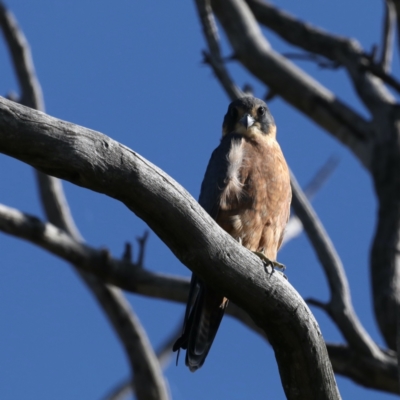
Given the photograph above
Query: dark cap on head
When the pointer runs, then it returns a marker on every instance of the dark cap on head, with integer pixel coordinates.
(246, 109)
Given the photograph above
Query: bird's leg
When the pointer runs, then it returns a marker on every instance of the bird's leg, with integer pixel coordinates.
(267, 261)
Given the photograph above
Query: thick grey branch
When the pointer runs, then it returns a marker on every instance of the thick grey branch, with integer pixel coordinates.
(288, 81)
(93, 160)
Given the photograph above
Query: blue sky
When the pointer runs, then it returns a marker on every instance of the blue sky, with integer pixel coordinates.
(134, 72)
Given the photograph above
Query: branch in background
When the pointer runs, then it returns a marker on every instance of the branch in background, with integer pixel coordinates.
(31, 92)
(377, 70)
(316, 58)
(148, 381)
(346, 52)
(213, 57)
(142, 241)
(397, 9)
(154, 285)
(339, 307)
(387, 36)
(294, 226)
(288, 81)
(164, 355)
(379, 374)
(147, 375)
(128, 276)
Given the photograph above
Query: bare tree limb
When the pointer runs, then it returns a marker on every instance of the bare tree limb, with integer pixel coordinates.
(375, 373)
(126, 275)
(164, 355)
(294, 226)
(214, 58)
(148, 381)
(93, 160)
(291, 83)
(397, 8)
(346, 52)
(142, 241)
(141, 281)
(31, 91)
(387, 36)
(340, 306)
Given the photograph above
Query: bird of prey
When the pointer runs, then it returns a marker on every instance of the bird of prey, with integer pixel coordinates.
(246, 189)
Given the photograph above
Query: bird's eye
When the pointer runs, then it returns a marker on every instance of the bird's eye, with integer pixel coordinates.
(261, 111)
(234, 113)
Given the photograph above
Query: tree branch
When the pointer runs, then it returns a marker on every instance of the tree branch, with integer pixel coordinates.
(397, 8)
(214, 56)
(340, 306)
(387, 36)
(375, 373)
(122, 273)
(346, 52)
(31, 91)
(294, 226)
(93, 160)
(148, 381)
(164, 353)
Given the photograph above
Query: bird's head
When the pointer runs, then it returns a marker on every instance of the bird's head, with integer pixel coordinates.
(250, 117)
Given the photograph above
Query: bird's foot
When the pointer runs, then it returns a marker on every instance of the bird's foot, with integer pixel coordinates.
(269, 263)
(266, 260)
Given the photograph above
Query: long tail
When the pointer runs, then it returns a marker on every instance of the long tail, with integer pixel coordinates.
(204, 312)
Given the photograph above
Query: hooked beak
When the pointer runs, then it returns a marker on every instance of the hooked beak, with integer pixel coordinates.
(247, 121)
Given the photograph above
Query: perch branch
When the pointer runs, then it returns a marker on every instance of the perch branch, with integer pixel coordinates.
(92, 160)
